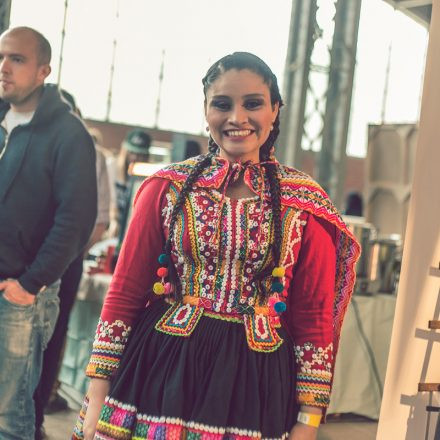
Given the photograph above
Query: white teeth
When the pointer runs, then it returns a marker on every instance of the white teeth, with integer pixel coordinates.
(238, 132)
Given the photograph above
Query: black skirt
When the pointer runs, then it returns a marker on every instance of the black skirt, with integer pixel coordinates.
(209, 385)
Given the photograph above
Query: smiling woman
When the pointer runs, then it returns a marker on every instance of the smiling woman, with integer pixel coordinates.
(240, 114)
(239, 271)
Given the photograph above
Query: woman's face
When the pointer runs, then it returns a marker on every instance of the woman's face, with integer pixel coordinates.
(239, 114)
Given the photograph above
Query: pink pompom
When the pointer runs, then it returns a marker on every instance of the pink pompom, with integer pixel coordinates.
(272, 300)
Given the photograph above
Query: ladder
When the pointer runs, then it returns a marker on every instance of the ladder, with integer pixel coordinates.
(432, 387)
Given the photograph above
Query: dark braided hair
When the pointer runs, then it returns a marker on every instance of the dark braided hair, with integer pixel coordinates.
(239, 61)
(275, 192)
(187, 186)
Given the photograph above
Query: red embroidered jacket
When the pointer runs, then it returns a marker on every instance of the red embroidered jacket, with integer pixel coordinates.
(220, 246)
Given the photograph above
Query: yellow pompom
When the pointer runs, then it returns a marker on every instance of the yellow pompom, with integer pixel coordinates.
(158, 288)
(278, 272)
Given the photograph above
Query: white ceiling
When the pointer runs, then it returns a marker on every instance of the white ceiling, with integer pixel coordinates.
(419, 10)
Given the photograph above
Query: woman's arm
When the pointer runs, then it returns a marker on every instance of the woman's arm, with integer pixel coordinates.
(131, 285)
(309, 318)
(98, 390)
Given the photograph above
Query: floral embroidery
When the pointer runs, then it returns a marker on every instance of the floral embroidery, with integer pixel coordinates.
(116, 332)
(308, 356)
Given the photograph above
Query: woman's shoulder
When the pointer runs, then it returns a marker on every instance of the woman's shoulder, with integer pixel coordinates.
(295, 183)
(300, 191)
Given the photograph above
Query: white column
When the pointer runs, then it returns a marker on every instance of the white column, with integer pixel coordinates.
(415, 350)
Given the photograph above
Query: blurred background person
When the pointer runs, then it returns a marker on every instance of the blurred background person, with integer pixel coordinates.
(134, 148)
(354, 204)
(46, 396)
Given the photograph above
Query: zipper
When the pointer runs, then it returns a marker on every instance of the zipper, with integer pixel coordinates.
(5, 146)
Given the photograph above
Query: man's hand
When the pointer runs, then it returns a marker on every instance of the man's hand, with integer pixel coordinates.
(14, 293)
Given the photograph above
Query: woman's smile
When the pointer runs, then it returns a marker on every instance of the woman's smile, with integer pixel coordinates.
(240, 114)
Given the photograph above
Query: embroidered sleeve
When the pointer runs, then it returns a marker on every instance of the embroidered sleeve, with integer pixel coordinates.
(310, 312)
(135, 273)
(107, 349)
(314, 374)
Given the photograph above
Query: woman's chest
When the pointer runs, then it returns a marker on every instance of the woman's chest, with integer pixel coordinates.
(223, 247)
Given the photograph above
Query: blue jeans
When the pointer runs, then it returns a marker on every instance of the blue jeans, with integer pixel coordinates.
(24, 334)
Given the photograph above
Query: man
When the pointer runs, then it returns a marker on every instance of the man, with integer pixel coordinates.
(46, 395)
(47, 212)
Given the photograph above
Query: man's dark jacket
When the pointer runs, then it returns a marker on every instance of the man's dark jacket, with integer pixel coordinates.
(47, 193)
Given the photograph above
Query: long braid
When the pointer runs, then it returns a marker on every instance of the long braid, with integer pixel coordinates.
(275, 192)
(187, 186)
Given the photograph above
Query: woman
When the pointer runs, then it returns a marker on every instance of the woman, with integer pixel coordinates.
(246, 270)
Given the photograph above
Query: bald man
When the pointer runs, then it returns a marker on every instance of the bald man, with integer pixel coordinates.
(47, 212)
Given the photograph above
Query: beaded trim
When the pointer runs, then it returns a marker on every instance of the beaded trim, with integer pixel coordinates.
(298, 191)
(237, 318)
(110, 339)
(260, 333)
(314, 374)
(206, 305)
(119, 421)
(179, 320)
(78, 428)
(116, 331)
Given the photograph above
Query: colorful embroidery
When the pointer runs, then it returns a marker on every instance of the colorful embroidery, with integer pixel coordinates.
(312, 390)
(218, 261)
(78, 428)
(180, 320)
(221, 247)
(261, 334)
(116, 332)
(121, 421)
(314, 374)
(110, 339)
(308, 356)
(300, 192)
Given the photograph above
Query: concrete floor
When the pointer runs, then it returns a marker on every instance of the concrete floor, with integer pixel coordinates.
(59, 427)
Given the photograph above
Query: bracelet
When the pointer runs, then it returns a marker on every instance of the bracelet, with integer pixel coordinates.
(309, 419)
